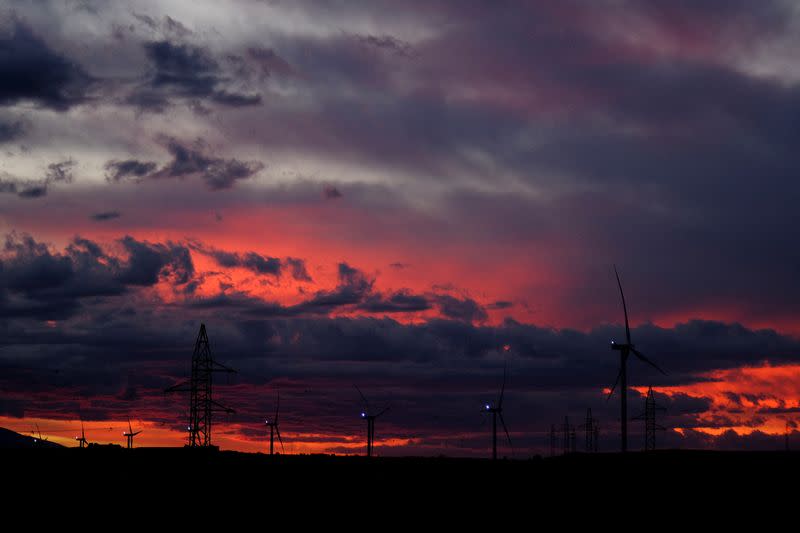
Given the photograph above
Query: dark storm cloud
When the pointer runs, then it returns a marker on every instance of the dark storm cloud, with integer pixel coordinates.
(465, 309)
(186, 71)
(353, 292)
(117, 171)
(255, 262)
(148, 261)
(32, 72)
(60, 172)
(187, 161)
(218, 173)
(249, 260)
(401, 301)
(31, 190)
(39, 283)
(105, 215)
(298, 269)
(189, 70)
(354, 285)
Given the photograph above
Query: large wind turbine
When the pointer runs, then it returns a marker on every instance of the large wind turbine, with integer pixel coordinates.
(497, 410)
(625, 349)
(367, 415)
(273, 429)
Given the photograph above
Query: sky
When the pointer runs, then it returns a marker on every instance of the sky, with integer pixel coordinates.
(404, 196)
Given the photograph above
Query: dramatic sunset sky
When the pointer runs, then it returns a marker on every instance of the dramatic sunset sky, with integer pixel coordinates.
(387, 193)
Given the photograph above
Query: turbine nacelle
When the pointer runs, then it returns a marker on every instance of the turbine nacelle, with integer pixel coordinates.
(621, 346)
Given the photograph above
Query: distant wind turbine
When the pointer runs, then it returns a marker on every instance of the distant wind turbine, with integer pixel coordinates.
(625, 349)
(497, 410)
(39, 433)
(367, 415)
(82, 442)
(273, 429)
(130, 434)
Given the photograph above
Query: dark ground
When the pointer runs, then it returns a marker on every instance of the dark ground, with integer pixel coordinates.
(598, 480)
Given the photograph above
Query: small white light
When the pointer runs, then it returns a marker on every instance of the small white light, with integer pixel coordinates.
(487, 406)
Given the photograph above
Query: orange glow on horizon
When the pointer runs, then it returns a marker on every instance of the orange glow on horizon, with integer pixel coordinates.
(226, 436)
(744, 400)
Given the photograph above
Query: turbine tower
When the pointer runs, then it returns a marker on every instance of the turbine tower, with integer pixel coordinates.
(201, 403)
(130, 434)
(367, 415)
(625, 349)
(273, 429)
(497, 411)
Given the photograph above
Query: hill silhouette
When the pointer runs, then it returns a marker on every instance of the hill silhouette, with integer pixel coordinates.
(13, 440)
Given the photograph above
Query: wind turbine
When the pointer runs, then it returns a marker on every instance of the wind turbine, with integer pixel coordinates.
(625, 349)
(367, 415)
(39, 433)
(130, 434)
(273, 429)
(82, 442)
(497, 410)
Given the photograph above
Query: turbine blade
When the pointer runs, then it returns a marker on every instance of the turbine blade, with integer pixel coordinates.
(641, 356)
(508, 436)
(613, 387)
(130, 429)
(278, 431)
(379, 414)
(503, 388)
(363, 398)
(624, 307)
(277, 407)
(137, 432)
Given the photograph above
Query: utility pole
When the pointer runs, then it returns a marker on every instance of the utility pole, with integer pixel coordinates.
(589, 427)
(649, 417)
